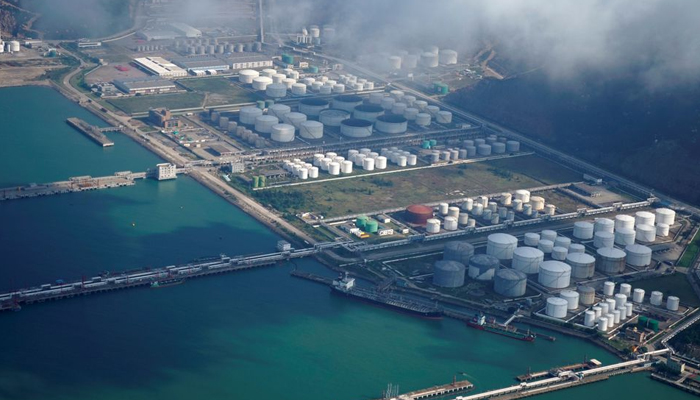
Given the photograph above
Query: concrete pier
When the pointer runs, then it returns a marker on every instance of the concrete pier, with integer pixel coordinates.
(92, 132)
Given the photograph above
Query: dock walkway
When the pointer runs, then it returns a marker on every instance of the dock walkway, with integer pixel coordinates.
(93, 132)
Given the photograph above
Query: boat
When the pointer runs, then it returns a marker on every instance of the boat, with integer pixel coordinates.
(345, 286)
(482, 323)
(167, 282)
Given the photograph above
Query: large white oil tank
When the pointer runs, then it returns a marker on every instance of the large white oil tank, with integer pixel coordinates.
(512, 146)
(264, 123)
(531, 239)
(672, 302)
(656, 298)
(549, 234)
(665, 216)
(497, 148)
(603, 239)
(247, 115)
(562, 241)
(610, 260)
(448, 274)
(313, 172)
(556, 307)
(268, 72)
(662, 230)
(429, 60)
(423, 119)
(645, 233)
(482, 267)
(644, 218)
(510, 283)
(380, 162)
(483, 149)
(527, 259)
(450, 224)
(537, 203)
(624, 221)
(334, 168)
(571, 298)
(443, 117)
(261, 82)
(522, 195)
(638, 255)
(447, 57)
(638, 296)
(368, 112)
(347, 102)
(501, 245)
(311, 130)
(277, 78)
(443, 208)
(604, 225)
(432, 225)
(394, 62)
(279, 111)
(393, 124)
(583, 230)
(298, 89)
(586, 295)
(312, 106)
(356, 128)
(333, 117)
(608, 288)
(582, 265)
(294, 118)
(545, 245)
(247, 75)
(282, 133)
(346, 167)
(554, 274)
(624, 236)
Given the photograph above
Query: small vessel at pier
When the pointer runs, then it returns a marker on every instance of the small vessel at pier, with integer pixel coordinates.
(481, 322)
(167, 282)
(345, 286)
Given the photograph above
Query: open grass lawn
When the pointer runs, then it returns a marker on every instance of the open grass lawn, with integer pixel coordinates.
(220, 91)
(691, 252)
(373, 193)
(175, 101)
(673, 285)
(538, 168)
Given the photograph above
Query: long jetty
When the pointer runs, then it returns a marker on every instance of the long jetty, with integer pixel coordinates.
(108, 282)
(74, 184)
(93, 132)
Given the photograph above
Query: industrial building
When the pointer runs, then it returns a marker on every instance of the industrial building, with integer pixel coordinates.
(169, 32)
(249, 61)
(147, 85)
(202, 63)
(157, 34)
(163, 118)
(160, 67)
(185, 30)
(166, 171)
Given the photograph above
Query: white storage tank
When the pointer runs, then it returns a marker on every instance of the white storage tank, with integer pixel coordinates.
(423, 119)
(602, 324)
(311, 130)
(298, 89)
(282, 133)
(497, 148)
(392, 124)
(554, 274)
(582, 265)
(268, 72)
(450, 224)
(589, 318)
(559, 253)
(549, 234)
(261, 82)
(264, 123)
(447, 57)
(665, 216)
(247, 115)
(571, 298)
(368, 112)
(546, 246)
(346, 167)
(522, 195)
(527, 259)
(483, 149)
(624, 221)
(672, 302)
(399, 108)
(586, 295)
(604, 225)
(459, 251)
(577, 248)
(656, 298)
(483, 267)
(334, 168)
(432, 225)
(510, 283)
(443, 117)
(537, 203)
(638, 255)
(624, 236)
(429, 60)
(333, 117)
(638, 296)
(347, 102)
(313, 172)
(562, 241)
(610, 260)
(645, 233)
(312, 106)
(583, 230)
(620, 300)
(556, 307)
(608, 288)
(380, 162)
(662, 230)
(512, 146)
(644, 218)
(279, 110)
(448, 274)
(501, 245)
(603, 239)
(294, 118)
(626, 289)
(356, 128)
(531, 239)
(368, 164)
(247, 75)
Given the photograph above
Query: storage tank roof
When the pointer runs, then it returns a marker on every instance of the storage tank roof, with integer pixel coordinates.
(638, 249)
(443, 265)
(314, 102)
(349, 98)
(483, 261)
(585, 289)
(502, 238)
(580, 258)
(356, 122)
(557, 301)
(568, 293)
(611, 252)
(419, 209)
(528, 252)
(555, 266)
(398, 119)
(583, 224)
(510, 275)
(369, 108)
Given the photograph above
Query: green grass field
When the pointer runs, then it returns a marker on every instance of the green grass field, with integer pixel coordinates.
(371, 193)
(539, 169)
(673, 285)
(175, 101)
(220, 91)
(690, 253)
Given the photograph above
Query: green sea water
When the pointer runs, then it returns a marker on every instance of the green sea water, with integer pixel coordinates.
(258, 334)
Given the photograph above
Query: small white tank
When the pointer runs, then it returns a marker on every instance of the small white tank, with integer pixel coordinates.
(603, 239)
(556, 307)
(571, 298)
(368, 164)
(662, 230)
(334, 168)
(608, 288)
(546, 246)
(620, 300)
(531, 239)
(559, 253)
(346, 167)
(638, 296)
(604, 225)
(672, 302)
(583, 230)
(656, 298)
(589, 318)
(313, 172)
(380, 162)
(602, 324)
(432, 225)
(282, 133)
(450, 223)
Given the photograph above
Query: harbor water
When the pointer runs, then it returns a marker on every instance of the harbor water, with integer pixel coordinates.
(254, 334)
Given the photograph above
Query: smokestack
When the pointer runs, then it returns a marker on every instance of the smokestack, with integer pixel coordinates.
(260, 19)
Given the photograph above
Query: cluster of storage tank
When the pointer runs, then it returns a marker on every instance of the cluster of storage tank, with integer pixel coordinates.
(352, 82)
(411, 59)
(398, 104)
(472, 148)
(300, 169)
(212, 46)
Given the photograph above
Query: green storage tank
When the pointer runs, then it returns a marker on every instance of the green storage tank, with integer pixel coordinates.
(287, 58)
(443, 88)
(256, 181)
(425, 144)
(361, 221)
(261, 104)
(653, 324)
(269, 103)
(313, 69)
(372, 226)
(262, 181)
(433, 142)
(642, 321)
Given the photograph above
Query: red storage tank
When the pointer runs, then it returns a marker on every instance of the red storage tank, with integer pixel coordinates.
(418, 214)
